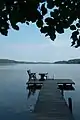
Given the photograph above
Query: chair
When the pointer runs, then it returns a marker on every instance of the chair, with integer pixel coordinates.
(31, 75)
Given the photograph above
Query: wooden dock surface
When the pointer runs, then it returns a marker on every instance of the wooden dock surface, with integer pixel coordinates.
(64, 81)
(50, 104)
(58, 81)
(35, 82)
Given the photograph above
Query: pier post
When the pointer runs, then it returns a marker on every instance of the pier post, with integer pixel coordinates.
(62, 92)
(70, 104)
(53, 76)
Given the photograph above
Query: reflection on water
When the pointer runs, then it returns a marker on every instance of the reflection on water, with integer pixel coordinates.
(32, 95)
(16, 102)
(33, 88)
(31, 91)
(9, 115)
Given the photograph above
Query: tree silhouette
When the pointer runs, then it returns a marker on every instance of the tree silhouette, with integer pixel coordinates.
(50, 16)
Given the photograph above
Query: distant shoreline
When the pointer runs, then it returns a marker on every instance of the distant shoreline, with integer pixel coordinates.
(13, 62)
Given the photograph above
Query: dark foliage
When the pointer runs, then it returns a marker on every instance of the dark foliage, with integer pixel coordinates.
(62, 15)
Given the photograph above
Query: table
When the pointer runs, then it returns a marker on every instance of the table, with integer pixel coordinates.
(32, 76)
(43, 75)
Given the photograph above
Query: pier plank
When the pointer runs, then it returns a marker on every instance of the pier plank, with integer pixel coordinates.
(51, 105)
(64, 81)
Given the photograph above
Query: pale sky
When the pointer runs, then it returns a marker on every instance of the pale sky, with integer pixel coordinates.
(28, 44)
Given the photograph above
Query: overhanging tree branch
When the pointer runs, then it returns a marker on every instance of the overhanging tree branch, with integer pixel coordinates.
(62, 15)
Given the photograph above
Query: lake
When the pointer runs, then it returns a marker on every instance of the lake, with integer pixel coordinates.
(15, 102)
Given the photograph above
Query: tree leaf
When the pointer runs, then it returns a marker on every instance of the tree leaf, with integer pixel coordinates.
(78, 25)
(53, 37)
(59, 29)
(27, 23)
(44, 29)
(43, 9)
(73, 27)
(16, 27)
(39, 23)
(4, 32)
(50, 4)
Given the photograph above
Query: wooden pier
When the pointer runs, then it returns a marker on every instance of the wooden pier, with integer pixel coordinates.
(37, 82)
(51, 105)
(65, 84)
(64, 81)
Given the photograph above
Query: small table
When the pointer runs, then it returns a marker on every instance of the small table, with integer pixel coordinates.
(42, 76)
(32, 76)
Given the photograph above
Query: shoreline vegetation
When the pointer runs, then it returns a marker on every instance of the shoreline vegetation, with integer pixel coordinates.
(9, 62)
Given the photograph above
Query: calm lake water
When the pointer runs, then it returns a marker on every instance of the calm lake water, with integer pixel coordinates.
(15, 103)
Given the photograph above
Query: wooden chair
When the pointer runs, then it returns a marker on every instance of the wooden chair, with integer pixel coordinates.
(32, 76)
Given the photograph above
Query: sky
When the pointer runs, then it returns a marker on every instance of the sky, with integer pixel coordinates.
(28, 44)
